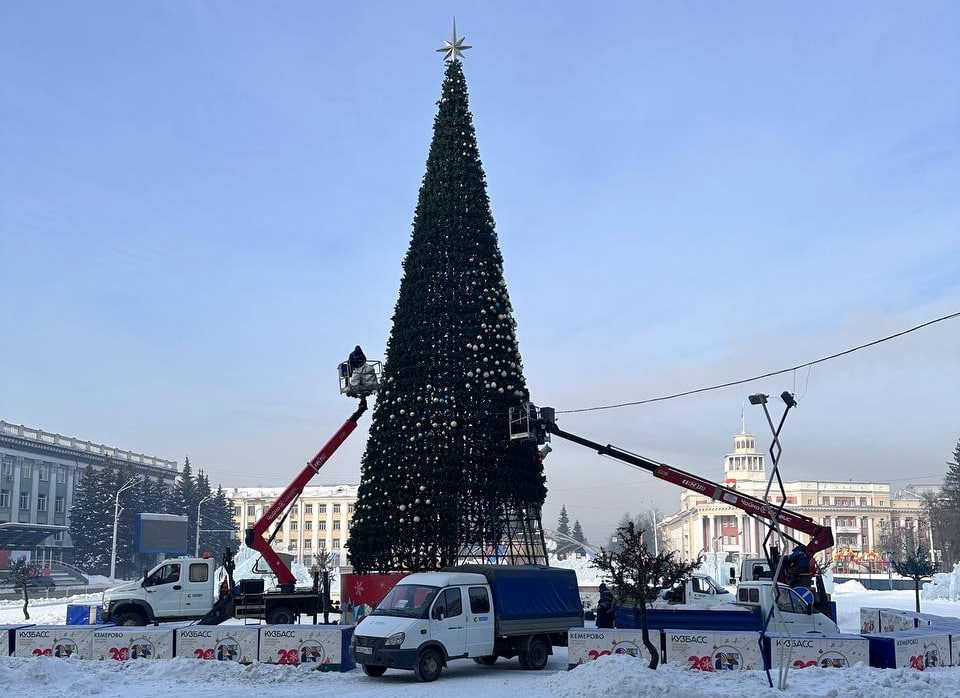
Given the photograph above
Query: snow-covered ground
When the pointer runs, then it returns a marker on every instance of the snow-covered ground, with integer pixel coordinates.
(610, 677)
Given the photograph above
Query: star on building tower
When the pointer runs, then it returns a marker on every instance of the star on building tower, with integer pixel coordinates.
(454, 48)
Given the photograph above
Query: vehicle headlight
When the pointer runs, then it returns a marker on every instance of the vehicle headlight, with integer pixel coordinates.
(395, 640)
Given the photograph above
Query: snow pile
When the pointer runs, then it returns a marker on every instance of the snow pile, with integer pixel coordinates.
(851, 586)
(587, 575)
(945, 585)
(619, 675)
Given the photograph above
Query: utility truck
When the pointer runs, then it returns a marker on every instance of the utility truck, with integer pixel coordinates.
(699, 590)
(755, 604)
(480, 612)
(183, 588)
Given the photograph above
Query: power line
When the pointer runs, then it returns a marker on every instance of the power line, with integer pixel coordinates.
(765, 375)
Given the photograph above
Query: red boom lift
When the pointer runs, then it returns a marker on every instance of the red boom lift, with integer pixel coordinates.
(529, 422)
(359, 378)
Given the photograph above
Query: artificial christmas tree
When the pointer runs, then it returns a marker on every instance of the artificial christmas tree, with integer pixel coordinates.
(440, 482)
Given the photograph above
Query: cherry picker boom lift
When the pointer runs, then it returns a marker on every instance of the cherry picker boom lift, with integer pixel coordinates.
(531, 423)
(359, 378)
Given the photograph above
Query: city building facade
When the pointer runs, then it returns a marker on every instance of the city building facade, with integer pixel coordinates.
(318, 520)
(38, 477)
(863, 515)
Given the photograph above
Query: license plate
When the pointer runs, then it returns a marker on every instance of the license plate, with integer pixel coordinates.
(364, 650)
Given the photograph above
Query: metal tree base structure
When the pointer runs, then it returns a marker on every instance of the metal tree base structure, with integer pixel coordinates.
(513, 537)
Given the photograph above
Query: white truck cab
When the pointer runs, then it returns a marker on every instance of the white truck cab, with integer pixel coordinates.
(794, 614)
(176, 589)
(699, 590)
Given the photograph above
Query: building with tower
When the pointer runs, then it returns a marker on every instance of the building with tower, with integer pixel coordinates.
(867, 518)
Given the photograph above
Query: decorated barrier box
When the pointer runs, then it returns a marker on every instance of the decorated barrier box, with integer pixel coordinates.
(54, 641)
(8, 638)
(325, 646)
(84, 614)
(122, 643)
(826, 651)
(586, 645)
(869, 620)
(712, 651)
(225, 643)
(910, 649)
(894, 621)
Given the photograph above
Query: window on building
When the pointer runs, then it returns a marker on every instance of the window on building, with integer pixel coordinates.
(58, 537)
(322, 544)
(336, 524)
(863, 501)
(321, 508)
(825, 501)
(293, 525)
(236, 512)
(251, 510)
(293, 512)
(845, 501)
(59, 505)
(24, 500)
(336, 508)
(44, 473)
(26, 470)
(292, 545)
(307, 544)
(61, 476)
(7, 466)
(4, 499)
(335, 544)
(351, 508)
(307, 509)
(863, 522)
(41, 502)
(321, 525)
(308, 525)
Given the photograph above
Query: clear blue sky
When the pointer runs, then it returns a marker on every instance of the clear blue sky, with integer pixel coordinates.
(204, 205)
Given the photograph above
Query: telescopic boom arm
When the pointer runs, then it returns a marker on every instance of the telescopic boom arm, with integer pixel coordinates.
(540, 421)
(358, 378)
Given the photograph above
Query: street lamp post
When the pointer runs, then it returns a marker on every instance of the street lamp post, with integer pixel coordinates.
(116, 517)
(196, 550)
(656, 544)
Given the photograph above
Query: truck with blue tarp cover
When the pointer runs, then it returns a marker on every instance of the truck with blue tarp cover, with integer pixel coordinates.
(481, 612)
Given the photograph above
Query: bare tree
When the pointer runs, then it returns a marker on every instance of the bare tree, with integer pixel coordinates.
(917, 567)
(21, 570)
(637, 576)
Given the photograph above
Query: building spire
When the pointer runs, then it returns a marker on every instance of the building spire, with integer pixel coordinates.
(743, 421)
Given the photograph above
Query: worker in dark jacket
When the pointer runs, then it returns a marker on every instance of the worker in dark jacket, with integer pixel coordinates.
(605, 608)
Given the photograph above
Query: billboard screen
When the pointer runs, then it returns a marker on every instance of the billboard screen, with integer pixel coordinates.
(161, 533)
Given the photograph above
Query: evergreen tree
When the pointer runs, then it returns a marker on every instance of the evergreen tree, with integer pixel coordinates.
(946, 514)
(564, 546)
(578, 535)
(439, 476)
(183, 497)
(91, 520)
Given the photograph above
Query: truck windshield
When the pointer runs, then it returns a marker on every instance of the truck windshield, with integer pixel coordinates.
(407, 600)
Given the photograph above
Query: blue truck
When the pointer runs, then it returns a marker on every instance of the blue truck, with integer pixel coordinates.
(480, 612)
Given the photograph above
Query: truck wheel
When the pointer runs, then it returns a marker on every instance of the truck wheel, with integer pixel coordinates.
(281, 615)
(130, 618)
(536, 657)
(429, 666)
(373, 670)
(489, 660)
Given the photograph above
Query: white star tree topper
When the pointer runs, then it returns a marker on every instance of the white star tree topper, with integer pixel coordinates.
(454, 48)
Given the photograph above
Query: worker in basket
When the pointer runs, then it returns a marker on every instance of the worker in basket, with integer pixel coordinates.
(361, 377)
